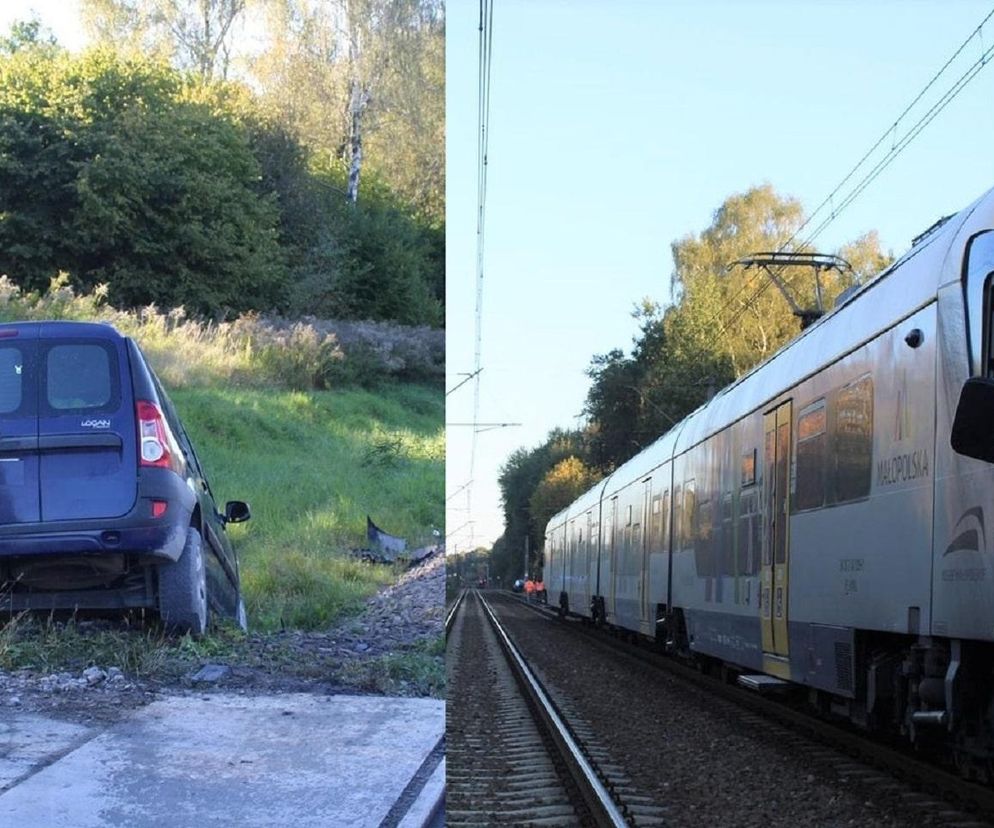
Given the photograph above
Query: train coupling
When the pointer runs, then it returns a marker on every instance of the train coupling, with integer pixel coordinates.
(931, 718)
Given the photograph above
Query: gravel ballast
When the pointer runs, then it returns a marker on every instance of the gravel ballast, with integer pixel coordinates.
(704, 758)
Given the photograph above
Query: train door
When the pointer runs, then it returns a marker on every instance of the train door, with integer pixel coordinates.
(648, 536)
(776, 543)
(589, 558)
(609, 557)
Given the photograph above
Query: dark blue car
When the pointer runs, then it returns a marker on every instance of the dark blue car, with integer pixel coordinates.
(103, 502)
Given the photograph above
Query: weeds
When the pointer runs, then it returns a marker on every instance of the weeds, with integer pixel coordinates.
(418, 671)
(251, 351)
(45, 644)
(312, 466)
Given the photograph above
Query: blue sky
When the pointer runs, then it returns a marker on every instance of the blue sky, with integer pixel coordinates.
(61, 16)
(617, 128)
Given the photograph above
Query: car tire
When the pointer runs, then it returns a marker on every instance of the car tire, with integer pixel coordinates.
(183, 589)
(241, 616)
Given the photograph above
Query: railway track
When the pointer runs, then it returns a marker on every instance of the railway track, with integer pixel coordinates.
(852, 755)
(510, 758)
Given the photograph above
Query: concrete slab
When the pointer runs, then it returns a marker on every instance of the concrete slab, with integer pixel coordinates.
(295, 759)
(29, 741)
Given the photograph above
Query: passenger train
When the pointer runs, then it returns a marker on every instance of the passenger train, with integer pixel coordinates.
(827, 521)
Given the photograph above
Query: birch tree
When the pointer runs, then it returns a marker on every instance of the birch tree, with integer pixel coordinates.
(373, 71)
(194, 34)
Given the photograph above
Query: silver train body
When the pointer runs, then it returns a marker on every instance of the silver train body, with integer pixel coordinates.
(812, 521)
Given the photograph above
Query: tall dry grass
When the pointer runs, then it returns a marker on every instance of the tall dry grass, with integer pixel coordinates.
(251, 351)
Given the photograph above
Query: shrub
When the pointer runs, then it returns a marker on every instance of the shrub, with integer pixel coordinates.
(250, 351)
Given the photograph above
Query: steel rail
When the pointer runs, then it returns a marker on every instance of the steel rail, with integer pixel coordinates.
(450, 616)
(927, 775)
(602, 806)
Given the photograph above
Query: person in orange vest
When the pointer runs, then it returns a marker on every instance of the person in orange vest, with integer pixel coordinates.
(529, 588)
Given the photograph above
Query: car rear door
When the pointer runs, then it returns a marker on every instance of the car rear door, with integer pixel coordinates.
(19, 493)
(86, 425)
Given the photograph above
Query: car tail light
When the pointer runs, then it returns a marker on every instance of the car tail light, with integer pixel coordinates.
(157, 446)
(159, 508)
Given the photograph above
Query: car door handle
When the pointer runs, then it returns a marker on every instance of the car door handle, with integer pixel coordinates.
(53, 442)
(8, 444)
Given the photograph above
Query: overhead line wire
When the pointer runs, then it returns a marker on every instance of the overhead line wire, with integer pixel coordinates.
(483, 138)
(898, 147)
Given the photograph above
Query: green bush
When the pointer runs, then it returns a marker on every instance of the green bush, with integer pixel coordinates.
(114, 170)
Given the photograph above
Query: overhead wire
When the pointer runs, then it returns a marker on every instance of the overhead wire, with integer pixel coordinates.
(483, 142)
(898, 146)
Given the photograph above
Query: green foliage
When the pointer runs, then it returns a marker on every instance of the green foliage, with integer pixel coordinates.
(195, 34)
(559, 487)
(415, 671)
(723, 321)
(26, 34)
(179, 192)
(317, 54)
(112, 169)
(46, 645)
(376, 261)
(301, 461)
(520, 476)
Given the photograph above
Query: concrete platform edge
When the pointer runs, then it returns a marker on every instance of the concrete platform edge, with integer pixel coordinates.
(429, 803)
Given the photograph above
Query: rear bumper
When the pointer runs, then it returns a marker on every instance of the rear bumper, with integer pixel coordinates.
(156, 543)
(136, 533)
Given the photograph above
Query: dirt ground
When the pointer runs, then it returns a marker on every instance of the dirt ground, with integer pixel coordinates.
(395, 646)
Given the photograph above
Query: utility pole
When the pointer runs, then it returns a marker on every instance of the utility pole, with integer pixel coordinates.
(526, 557)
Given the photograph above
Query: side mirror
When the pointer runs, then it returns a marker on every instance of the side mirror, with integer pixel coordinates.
(973, 427)
(236, 512)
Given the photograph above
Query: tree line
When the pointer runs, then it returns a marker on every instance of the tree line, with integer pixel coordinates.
(231, 156)
(721, 322)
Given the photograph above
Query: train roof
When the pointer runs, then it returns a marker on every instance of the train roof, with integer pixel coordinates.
(910, 283)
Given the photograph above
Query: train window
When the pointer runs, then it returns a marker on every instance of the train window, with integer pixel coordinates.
(664, 521)
(628, 515)
(689, 509)
(703, 553)
(853, 440)
(750, 533)
(726, 539)
(749, 468)
(980, 264)
(677, 532)
(988, 346)
(811, 457)
(771, 478)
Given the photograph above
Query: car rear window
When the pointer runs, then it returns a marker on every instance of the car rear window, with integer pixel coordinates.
(11, 378)
(81, 377)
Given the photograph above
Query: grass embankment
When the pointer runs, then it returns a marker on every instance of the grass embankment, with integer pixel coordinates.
(311, 463)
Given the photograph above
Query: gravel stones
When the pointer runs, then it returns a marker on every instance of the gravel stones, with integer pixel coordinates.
(703, 758)
(398, 618)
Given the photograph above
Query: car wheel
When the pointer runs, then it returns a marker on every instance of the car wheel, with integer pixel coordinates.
(183, 589)
(241, 616)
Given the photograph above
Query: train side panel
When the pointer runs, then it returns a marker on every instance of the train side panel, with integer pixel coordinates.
(963, 594)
